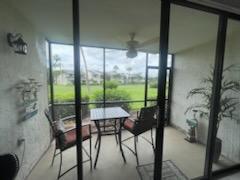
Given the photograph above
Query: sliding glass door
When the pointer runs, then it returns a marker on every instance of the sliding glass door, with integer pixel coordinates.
(119, 34)
(227, 145)
(192, 40)
(196, 38)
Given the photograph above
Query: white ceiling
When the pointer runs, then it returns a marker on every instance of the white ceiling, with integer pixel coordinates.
(107, 23)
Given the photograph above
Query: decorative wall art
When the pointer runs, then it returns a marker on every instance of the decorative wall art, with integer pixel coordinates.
(28, 91)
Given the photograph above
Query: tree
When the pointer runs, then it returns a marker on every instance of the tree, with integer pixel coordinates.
(57, 67)
(115, 69)
(129, 70)
(86, 69)
(115, 74)
(137, 78)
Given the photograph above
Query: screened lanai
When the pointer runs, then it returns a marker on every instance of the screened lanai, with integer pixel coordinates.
(89, 56)
(103, 70)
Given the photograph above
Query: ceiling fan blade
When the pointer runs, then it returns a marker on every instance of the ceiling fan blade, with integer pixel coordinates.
(149, 42)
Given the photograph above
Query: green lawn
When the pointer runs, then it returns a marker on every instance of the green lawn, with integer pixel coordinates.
(66, 92)
(136, 91)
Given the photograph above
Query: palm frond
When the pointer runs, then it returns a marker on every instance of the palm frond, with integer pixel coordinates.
(228, 103)
(198, 91)
(233, 86)
(232, 67)
(197, 106)
(208, 80)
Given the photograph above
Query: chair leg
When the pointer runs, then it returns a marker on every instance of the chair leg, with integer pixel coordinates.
(135, 146)
(120, 140)
(90, 149)
(53, 156)
(115, 131)
(96, 143)
(60, 167)
(152, 141)
(104, 126)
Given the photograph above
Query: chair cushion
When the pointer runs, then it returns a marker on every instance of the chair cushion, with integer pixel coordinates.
(129, 124)
(70, 137)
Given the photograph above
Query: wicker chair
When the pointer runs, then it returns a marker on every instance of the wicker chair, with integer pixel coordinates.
(67, 139)
(144, 122)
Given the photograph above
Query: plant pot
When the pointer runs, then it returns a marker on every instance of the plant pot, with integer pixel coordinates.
(218, 150)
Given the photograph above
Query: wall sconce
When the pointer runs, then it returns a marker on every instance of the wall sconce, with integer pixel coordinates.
(16, 42)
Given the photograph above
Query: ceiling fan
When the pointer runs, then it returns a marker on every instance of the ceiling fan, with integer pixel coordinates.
(133, 45)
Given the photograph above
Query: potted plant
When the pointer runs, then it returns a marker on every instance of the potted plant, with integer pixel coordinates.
(228, 102)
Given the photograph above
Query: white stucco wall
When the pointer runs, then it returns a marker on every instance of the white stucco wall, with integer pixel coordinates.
(229, 130)
(13, 68)
(190, 67)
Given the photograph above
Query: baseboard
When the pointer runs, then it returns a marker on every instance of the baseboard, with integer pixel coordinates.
(178, 128)
(184, 132)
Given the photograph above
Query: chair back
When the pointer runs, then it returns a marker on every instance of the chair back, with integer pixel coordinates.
(56, 132)
(51, 121)
(146, 119)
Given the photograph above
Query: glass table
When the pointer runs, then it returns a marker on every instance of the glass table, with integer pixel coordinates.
(99, 115)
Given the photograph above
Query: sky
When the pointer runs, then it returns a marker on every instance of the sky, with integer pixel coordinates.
(94, 58)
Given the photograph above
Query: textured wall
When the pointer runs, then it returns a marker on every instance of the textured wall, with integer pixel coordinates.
(229, 130)
(13, 68)
(190, 66)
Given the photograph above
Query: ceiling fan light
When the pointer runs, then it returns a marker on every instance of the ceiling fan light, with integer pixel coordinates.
(131, 53)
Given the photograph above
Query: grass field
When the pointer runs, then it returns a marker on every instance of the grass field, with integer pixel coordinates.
(136, 91)
(66, 92)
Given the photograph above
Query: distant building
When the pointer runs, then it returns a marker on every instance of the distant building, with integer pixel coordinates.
(67, 77)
